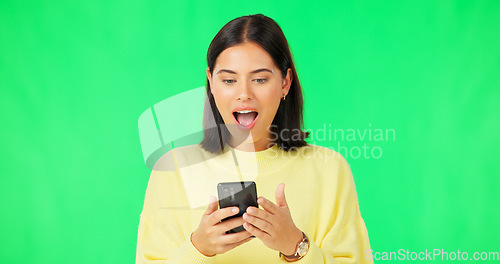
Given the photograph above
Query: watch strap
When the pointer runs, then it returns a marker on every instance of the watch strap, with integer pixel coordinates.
(296, 255)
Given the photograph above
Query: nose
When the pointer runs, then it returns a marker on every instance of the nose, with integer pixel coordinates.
(244, 91)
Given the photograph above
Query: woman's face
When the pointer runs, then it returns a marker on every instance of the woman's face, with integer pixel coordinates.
(247, 87)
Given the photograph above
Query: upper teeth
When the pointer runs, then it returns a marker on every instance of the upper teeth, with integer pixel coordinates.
(245, 111)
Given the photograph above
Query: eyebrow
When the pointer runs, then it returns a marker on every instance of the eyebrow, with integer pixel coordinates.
(252, 72)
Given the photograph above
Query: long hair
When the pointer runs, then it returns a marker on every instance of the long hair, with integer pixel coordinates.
(288, 121)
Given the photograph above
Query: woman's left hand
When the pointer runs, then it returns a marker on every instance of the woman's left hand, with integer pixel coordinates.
(273, 224)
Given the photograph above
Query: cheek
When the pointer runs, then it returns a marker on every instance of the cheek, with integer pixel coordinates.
(222, 100)
(221, 93)
(270, 97)
(270, 103)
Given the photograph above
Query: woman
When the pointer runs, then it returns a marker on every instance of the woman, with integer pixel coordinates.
(252, 132)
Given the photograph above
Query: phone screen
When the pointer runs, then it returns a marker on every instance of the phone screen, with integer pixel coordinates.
(241, 194)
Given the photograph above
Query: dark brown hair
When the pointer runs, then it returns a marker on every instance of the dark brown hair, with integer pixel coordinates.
(288, 121)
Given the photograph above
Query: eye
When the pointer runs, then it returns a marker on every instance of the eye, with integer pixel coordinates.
(260, 81)
(228, 81)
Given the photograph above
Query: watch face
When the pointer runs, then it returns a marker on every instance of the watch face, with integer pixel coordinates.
(302, 250)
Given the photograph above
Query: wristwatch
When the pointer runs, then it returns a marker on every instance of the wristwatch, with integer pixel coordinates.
(300, 250)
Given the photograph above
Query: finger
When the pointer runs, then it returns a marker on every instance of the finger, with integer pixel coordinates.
(223, 213)
(268, 205)
(229, 224)
(256, 232)
(259, 223)
(260, 213)
(280, 196)
(235, 237)
(212, 205)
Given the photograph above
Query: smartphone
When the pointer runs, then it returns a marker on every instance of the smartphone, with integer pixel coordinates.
(241, 194)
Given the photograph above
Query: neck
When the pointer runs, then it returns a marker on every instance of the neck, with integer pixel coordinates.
(259, 145)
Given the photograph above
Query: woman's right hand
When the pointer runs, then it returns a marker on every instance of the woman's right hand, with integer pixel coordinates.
(210, 237)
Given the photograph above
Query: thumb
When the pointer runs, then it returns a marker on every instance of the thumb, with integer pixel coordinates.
(212, 206)
(280, 196)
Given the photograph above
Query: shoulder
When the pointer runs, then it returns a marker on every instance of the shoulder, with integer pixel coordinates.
(326, 161)
(320, 154)
(180, 157)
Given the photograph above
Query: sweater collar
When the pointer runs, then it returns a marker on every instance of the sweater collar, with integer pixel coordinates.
(251, 162)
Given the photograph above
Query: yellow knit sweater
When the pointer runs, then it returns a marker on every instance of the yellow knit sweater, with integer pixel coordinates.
(319, 190)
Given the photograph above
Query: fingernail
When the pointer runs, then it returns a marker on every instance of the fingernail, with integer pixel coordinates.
(235, 210)
(212, 199)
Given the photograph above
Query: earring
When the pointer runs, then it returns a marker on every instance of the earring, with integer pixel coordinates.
(284, 97)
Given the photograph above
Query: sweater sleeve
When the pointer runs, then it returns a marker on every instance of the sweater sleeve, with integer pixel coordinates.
(347, 239)
(350, 246)
(150, 249)
(161, 234)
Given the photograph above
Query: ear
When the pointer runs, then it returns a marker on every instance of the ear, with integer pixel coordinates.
(287, 82)
(209, 78)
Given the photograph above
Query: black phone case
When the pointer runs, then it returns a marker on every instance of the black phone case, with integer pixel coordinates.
(241, 194)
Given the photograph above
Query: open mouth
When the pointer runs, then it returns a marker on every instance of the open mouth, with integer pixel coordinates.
(246, 118)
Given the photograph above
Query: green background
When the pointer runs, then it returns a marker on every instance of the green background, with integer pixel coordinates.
(76, 75)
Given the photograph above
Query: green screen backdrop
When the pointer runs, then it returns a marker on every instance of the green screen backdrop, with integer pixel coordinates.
(407, 91)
